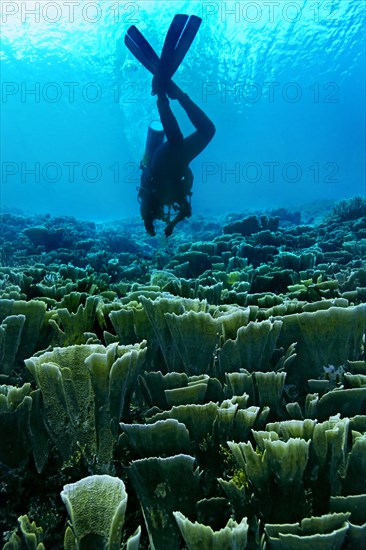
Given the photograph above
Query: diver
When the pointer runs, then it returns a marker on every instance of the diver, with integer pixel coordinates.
(167, 179)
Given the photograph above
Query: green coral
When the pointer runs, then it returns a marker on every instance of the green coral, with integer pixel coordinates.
(76, 327)
(15, 413)
(165, 485)
(96, 506)
(197, 536)
(247, 399)
(325, 532)
(252, 349)
(86, 391)
(350, 209)
(31, 536)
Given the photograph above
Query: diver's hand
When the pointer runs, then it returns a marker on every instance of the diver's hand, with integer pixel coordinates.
(149, 228)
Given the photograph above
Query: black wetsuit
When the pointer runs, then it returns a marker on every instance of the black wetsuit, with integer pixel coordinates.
(168, 179)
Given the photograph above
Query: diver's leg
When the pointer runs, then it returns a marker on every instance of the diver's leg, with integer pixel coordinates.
(168, 120)
(205, 129)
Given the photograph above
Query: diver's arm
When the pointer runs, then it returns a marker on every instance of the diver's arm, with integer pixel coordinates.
(169, 228)
(185, 211)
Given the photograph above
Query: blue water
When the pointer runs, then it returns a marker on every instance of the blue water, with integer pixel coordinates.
(284, 83)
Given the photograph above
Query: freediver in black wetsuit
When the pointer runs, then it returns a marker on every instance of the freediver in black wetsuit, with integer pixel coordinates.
(166, 179)
(167, 182)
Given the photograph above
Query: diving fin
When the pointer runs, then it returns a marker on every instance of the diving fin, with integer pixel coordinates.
(171, 40)
(179, 38)
(141, 49)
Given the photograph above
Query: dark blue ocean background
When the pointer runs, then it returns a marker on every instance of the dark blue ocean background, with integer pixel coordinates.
(284, 83)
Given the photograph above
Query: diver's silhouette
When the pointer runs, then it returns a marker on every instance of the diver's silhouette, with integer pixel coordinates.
(166, 179)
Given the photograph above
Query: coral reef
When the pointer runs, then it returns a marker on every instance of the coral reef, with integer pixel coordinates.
(209, 392)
